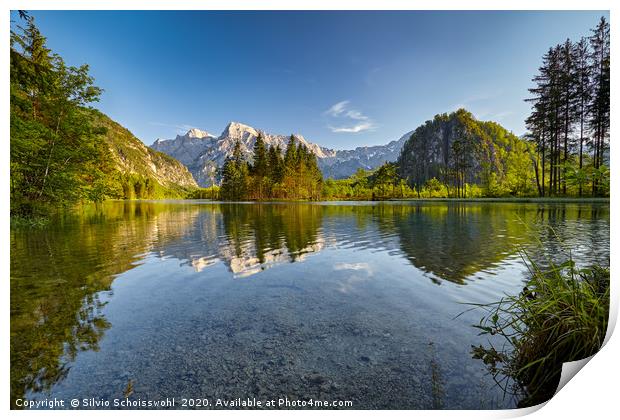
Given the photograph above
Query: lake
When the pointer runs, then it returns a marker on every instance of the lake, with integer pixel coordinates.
(352, 301)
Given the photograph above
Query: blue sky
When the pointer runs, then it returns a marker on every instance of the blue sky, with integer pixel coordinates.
(342, 79)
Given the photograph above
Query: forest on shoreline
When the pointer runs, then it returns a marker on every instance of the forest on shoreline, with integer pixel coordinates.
(58, 157)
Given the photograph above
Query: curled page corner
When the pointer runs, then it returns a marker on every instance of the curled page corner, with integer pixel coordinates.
(569, 370)
(613, 318)
(520, 412)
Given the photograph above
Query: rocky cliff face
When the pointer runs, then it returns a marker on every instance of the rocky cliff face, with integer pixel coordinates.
(457, 148)
(131, 156)
(204, 154)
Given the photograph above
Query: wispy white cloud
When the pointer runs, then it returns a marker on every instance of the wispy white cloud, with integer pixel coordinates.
(337, 108)
(353, 129)
(341, 113)
(356, 115)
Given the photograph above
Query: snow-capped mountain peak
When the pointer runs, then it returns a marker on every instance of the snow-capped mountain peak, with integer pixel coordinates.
(196, 133)
(236, 130)
(204, 154)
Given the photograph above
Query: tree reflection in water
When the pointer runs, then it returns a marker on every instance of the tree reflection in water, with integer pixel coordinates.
(61, 276)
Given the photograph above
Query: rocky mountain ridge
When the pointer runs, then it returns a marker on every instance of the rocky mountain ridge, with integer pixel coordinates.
(131, 157)
(204, 154)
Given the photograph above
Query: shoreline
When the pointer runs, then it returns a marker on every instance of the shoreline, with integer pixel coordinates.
(514, 199)
(576, 200)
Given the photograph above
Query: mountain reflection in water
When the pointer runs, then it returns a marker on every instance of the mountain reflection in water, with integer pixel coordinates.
(302, 299)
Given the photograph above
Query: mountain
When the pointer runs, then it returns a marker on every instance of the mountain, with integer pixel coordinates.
(345, 163)
(458, 149)
(131, 158)
(204, 153)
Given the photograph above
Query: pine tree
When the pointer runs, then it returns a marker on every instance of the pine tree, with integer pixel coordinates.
(312, 174)
(545, 122)
(259, 168)
(600, 105)
(290, 156)
(235, 176)
(571, 94)
(36, 75)
(582, 97)
(567, 81)
(290, 169)
(276, 162)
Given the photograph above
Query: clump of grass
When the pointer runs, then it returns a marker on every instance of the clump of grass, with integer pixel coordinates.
(29, 221)
(560, 316)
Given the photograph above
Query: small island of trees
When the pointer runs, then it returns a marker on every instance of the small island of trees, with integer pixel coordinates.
(291, 175)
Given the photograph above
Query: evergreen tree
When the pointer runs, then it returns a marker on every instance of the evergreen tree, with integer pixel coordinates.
(276, 164)
(582, 97)
(538, 123)
(571, 94)
(312, 174)
(290, 168)
(290, 156)
(567, 80)
(235, 176)
(600, 106)
(548, 122)
(259, 169)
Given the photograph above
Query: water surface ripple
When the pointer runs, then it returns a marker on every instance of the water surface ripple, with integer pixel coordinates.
(348, 301)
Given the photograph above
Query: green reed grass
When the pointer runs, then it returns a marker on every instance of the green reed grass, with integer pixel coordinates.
(560, 316)
(29, 222)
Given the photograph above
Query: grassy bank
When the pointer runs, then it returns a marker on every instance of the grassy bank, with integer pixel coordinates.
(560, 316)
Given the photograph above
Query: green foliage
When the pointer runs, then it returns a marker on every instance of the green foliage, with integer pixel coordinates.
(138, 187)
(235, 176)
(570, 118)
(294, 176)
(18, 221)
(474, 159)
(276, 165)
(55, 155)
(384, 180)
(259, 170)
(210, 193)
(131, 174)
(560, 316)
(433, 189)
(261, 163)
(380, 184)
(63, 152)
